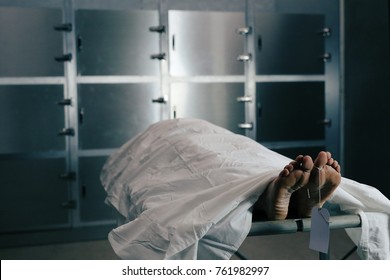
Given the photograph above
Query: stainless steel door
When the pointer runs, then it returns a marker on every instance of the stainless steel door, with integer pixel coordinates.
(289, 44)
(111, 114)
(205, 43)
(92, 194)
(30, 119)
(32, 156)
(116, 42)
(113, 43)
(214, 102)
(32, 195)
(292, 113)
(28, 42)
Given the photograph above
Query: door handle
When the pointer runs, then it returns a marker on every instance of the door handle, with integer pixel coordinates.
(63, 58)
(65, 102)
(66, 132)
(325, 122)
(325, 32)
(245, 98)
(159, 56)
(71, 204)
(65, 27)
(68, 176)
(159, 100)
(326, 57)
(244, 57)
(158, 29)
(244, 30)
(245, 125)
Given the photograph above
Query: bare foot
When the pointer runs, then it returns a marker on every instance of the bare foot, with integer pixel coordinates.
(324, 179)
(275, 200)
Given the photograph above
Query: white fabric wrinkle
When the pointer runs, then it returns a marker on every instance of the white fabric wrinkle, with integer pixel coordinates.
(152, 242)
(372, 237)
(353, 195)
(213, 210)
(378, 240)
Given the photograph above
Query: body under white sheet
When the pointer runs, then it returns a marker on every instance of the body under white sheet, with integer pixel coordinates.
(185, 189)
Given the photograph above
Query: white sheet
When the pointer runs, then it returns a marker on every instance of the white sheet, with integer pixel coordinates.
(186, 188)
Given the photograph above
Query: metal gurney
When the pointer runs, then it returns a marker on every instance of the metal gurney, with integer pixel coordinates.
(302, 225)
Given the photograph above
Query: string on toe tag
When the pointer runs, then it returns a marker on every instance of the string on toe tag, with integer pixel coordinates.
(318, 184)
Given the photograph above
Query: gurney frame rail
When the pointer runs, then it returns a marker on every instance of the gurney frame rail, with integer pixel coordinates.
(302, 225)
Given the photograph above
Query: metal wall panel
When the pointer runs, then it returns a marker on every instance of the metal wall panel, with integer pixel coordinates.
(116, 42)
(216, 103)
(32, 194)
(290, 111)
(205, 43)
(113, 113)
(30, 119)
(91, 191)
(289, 44)
(28, 42)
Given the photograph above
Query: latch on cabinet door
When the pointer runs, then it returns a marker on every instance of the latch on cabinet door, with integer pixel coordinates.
(158, 29)
(71, 204)
(159, 56)
(244, 57)
(325, 122)
(83, 191)
(245, 98)
(325, 32)
(65, 102)
(79, 43)
(81, 115)
(244, 30)
(66, 132)
(326, 57)
(65, 27)
(245, 125)
(63, 58)
(67, 176)
(159, 100)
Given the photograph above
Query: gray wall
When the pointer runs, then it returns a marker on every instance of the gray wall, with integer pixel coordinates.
(367, 93)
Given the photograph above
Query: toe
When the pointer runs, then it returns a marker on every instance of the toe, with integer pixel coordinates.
(336, 166)
(321, 160)
(299, 158)
(304, 172)
(286, 170)
(307, 164)
(297, 162)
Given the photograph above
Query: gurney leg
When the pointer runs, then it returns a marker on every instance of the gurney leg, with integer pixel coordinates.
(350, 253)
(240, 256)
(324, 256)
